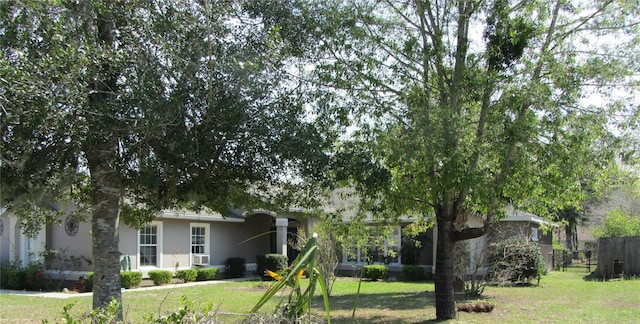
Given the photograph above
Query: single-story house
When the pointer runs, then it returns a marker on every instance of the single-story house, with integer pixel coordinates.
(179, 240)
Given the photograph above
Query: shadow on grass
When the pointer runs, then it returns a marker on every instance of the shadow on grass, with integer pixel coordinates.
(386, 307)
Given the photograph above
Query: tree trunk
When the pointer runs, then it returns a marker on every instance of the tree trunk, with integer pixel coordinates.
(105, 232)
(444, 276)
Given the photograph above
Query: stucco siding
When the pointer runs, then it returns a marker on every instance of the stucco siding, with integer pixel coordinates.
(176, 243)
(245, 240)
(72, 251)
(129, 244)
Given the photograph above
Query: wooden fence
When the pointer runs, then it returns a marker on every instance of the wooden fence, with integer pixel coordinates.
(618, 257)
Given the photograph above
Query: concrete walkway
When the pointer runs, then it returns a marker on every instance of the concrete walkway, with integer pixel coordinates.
(72, 294)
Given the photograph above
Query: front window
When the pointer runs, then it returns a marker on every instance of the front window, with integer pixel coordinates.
(199, 240)
(149, 244)
(380, 248)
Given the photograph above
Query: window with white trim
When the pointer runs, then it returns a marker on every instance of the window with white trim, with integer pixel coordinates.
(534, 234)
(199, 238)
(379, 248)
(149, 247)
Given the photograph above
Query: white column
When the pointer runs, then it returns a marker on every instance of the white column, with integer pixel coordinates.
(281, 235)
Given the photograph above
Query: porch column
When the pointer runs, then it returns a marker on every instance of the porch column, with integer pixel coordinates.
(281, 235)
(435, 246)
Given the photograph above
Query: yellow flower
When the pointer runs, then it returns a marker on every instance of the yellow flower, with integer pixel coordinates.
(274, 275)
(300, 273)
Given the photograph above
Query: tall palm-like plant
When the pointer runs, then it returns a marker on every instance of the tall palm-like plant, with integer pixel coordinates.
(299, 302)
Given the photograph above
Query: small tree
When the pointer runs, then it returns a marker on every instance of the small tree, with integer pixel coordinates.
(328, 248)
(618, 223)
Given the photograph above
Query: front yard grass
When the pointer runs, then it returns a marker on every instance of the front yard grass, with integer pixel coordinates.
(561, 297)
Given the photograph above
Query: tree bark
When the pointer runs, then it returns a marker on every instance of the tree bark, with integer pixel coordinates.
(105, 231)
(102, 155)
(444, 276)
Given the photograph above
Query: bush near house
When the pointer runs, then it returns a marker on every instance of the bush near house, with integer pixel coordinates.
(515, 260)
(274, 262)
(207, 274)
(31, 277)
(187, 275)
(235, 268)
(414, 273)
(160, 277)
(374, 272)
(129, 279)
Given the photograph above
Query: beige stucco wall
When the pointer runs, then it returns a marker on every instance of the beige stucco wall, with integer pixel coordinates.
(245, 240)
(176, 243)
(69, 248)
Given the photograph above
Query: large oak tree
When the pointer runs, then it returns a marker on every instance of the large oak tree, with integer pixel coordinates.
(464, 107)
(131, 107)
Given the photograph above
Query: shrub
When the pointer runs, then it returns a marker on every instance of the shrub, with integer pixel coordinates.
(414, 273)
(273, 262)
(515, 260)
(374, 272)
(187, 275)
(207, 274)
(35, 277)
(4, 277)
(16, 279)
(160, 277)
(235, 268)
(128, 279)
(89, 284)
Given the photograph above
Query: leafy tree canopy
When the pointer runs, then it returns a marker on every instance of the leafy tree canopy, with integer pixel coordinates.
(462, 107)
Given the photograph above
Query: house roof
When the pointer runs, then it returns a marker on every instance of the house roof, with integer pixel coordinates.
(514, 215)
(211, 216)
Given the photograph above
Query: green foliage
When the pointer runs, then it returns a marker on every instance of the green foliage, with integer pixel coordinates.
(298, 304)
(515, 260)
(459, 127)
(273, 262)
(413, 273)
(374, 272)
(205, 274)
(618, 223)
(331, 237)
(89, 285)
(187, 275)
(185, 314)
(106, 315)
(16, 279)
(97, 87)
(160, 277)
(129, 279)
(32, 277)
(235, 268)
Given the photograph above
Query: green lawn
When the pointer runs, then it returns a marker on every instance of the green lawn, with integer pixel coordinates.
(562, 297)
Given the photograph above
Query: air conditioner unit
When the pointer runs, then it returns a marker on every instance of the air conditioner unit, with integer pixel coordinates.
(200, 259)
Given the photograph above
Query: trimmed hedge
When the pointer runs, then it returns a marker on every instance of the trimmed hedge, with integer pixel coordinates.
(374, 272)
(89, 284)
(274, 262)
(235, 268)
(414, 273)
(130, 279)
(187, 275)
(207, 274)
(16, 279)
(160, 277)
